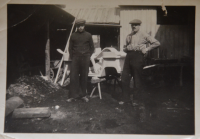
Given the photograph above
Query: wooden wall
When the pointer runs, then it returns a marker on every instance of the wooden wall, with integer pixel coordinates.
(176, 41)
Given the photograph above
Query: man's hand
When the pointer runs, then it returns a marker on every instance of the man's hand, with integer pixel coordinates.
(125, 48)
(129, 47)
(144, 51)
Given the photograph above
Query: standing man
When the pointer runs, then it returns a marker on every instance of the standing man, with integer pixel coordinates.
(136, 49)
(81, 47)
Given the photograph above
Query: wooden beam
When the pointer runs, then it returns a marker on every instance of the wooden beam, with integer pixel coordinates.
(47, 54)
(47, 59)
(31, 112)
(104, 25)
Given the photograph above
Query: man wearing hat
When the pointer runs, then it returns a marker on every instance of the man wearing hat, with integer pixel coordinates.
(81, 47)
(136, 49)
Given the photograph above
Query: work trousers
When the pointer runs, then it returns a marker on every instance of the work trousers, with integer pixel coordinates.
(133, 67)
(78, 76)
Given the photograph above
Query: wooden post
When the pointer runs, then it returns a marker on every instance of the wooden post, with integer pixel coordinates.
(47, 59)
(47, 54)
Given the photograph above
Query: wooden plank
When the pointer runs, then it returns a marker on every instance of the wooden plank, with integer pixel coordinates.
(31, 112)
(13, 103)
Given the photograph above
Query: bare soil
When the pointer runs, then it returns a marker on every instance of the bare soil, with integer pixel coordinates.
(161, 110)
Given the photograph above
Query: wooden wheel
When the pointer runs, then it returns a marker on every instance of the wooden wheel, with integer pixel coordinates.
(51, 74)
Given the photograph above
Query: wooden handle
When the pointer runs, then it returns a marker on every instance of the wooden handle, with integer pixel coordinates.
(66, 48)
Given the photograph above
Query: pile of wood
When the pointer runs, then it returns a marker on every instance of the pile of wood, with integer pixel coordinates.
(29, 90)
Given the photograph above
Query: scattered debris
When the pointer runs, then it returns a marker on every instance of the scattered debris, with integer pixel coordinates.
(142, 108)
(94, 96)
(66, 82)
(59, 115)
(57, 107)
(178, 108)
(93, 126)
(173, 108)
(33, 89)
(46, 78)
(135, 104)
(120, 110)
(55, 130)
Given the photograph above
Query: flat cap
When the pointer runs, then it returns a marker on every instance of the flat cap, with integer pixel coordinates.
(80, 21)
(135, 21)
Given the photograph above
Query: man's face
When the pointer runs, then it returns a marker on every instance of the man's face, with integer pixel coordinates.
(80, 27)
(135, 27)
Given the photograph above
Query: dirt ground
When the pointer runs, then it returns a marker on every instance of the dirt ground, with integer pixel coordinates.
(159, 110)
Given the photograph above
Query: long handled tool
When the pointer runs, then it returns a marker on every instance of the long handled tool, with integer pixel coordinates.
(66, 56)
(66, 51)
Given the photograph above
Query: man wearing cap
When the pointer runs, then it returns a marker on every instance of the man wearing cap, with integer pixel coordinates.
(136, 49)
(81, 47)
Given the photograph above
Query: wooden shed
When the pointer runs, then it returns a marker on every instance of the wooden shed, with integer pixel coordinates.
(29, 29)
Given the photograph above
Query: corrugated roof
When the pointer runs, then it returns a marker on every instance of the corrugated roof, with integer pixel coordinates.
(96, 14)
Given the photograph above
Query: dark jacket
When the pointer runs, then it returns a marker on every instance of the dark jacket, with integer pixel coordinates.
(81, 44)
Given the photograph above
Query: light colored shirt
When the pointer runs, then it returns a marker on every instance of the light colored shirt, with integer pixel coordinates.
(141, 40)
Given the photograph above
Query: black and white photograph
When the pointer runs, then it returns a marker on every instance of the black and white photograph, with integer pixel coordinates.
(100, 68)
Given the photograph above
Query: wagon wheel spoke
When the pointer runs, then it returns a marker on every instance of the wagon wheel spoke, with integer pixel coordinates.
(51, 74)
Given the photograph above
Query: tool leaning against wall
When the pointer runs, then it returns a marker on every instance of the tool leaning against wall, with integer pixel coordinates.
(65, 56)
